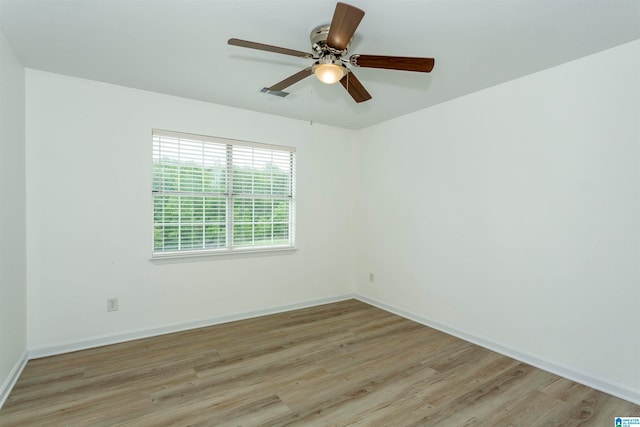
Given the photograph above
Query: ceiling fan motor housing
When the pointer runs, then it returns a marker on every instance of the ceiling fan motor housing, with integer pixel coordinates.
(319, 42)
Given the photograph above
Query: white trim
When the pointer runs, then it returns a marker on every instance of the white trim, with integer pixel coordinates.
(185, 256)
(14, 374)
(618, 390)
(76, 345)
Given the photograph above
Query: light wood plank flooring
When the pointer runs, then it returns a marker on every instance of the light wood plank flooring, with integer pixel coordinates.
(338, 364)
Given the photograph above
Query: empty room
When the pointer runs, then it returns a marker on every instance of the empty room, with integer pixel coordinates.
(315, 213)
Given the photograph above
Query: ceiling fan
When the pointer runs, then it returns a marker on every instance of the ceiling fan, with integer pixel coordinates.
(330, 44)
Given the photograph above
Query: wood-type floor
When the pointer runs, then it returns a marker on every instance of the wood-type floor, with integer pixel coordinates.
(339, 364)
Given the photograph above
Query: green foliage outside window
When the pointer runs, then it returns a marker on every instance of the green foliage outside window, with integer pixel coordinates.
(190, 205)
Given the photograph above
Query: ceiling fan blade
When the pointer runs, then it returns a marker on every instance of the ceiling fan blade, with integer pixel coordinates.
(269, 48)
(291, 80)
(421, 65)
(355, 88)
(346, 19)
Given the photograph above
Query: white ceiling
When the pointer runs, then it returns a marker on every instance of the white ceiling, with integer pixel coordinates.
(179, 47)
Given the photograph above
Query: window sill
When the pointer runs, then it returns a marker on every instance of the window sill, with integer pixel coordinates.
(211, 255)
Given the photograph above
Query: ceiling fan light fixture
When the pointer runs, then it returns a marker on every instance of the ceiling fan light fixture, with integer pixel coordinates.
(329, 72)
(330, 44)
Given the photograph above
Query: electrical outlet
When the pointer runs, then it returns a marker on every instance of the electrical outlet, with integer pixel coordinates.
(112, 304)
(371, 278)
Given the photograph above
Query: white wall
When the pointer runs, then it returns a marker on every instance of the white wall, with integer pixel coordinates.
(513, 215)
(510, 215)
(13, 281)
(89, 214)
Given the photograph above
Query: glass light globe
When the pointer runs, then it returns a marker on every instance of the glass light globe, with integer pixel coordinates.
(329, 73)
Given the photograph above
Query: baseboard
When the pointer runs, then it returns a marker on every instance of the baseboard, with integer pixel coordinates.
(617, 390)
(70, 346)
(14, 374)
(563, 371)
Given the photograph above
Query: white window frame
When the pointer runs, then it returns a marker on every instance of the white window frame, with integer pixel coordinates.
(229, 196)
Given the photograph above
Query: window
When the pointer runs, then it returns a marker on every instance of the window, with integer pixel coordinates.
(216, 195)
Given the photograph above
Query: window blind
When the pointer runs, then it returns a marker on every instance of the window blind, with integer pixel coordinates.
(217, 194)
